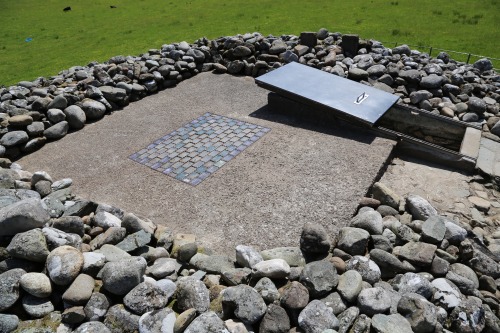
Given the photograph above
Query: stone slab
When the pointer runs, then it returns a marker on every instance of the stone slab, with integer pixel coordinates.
(488, 160)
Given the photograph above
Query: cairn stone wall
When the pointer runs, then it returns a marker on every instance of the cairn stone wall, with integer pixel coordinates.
(68, 264)
(33, 113)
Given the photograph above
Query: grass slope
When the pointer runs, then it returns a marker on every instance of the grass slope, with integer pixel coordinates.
(94, 31)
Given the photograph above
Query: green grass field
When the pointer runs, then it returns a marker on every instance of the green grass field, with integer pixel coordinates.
(94, 31)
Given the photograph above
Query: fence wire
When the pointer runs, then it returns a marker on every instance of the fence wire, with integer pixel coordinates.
(470, 56)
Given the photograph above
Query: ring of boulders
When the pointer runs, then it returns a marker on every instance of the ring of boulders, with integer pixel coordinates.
(68, 264)
(32, 113)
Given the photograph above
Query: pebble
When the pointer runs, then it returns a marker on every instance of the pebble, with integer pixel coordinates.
(9, 287)
(317, 317)
(64, 264)
(121, 276)
(36, 284)
(273, 268)
(192, 293)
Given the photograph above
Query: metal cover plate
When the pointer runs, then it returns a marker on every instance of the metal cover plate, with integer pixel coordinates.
(198, 149)
(306, 84)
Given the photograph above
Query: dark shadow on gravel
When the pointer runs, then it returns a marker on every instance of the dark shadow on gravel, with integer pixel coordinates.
(325, 125)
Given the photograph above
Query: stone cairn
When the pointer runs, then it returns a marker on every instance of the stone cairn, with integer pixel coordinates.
(32, 113)
(72, 265)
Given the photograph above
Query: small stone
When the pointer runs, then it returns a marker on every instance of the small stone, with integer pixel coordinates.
(93, 109)
(319, 277)
(112, 253)
(92, 327)
(317, 317)
(73, 315)
(468, 316)
(183, 320)
(314, 239)
(275, 320)
(192, 293)
(161, 320)
(106, 220)
(20, 120)
(236, 276)
(36, 284)
(295, 296)
(59, 102)
(454, 234)
(446, 293)
(55, 115)
(274, 269)
(30, 245)
(246, 303)
(350, 285)
(463, 277)
(353, 240)
(37, 307)
(476, 104)
(207, 320)
(96, 307)
(119, 277)
(394, 323)
(8, 322)
(145, 297)
(433, 230)
(119, 320)
(64, 264)
(357, 74)
(370, 221)
(413, 283)
(14, 138)
(80, 291)
(211, 264)
(267, 289)
(418, 253)
(374, 300)
(292, 255)
(163, 267)
(75, 117)
(420, 208)
(56, 131)
(22, 216)
(335, 302)
(368, 269)
(420, 313)
(9, 287)
(134, 241)
(247, 256)
(480, 203)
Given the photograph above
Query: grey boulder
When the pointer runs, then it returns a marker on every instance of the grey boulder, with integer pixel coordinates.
(75, 117)
(319, 277)
(420, 208)
(30, 245)
(207, 322)
(119, 277)
(317, 317)
(245, 302)
(56, 131)
(145, 297)
(64, 264)
(192, 293)
(9, 287)
(21, 216)
(162, 320)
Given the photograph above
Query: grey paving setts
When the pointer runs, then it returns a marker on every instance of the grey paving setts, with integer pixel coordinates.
(198, 149)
